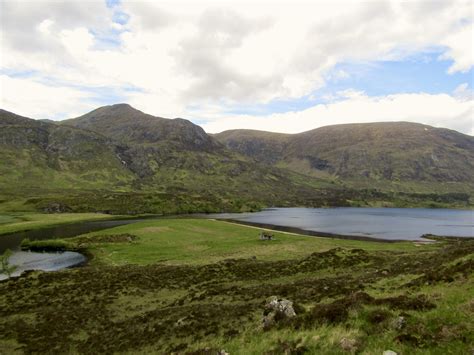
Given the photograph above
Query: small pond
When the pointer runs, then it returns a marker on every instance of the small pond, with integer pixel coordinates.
(53, 261)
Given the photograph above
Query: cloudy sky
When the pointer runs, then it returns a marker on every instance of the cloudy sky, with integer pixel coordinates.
(270, 65)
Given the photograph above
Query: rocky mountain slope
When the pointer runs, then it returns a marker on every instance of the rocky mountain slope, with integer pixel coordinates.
(40, 154)
(173, 152)
(392, 151)
(118, 158)
(126, 124)
(265, 147)
(121, 160)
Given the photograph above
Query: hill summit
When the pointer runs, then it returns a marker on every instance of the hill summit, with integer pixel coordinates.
(124, 123)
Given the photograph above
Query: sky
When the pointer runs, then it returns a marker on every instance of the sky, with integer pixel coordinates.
(268, 65)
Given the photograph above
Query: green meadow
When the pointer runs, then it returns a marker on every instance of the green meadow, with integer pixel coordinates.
(201, 241)
(196, 286)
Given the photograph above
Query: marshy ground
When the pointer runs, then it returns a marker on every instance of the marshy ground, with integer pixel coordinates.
(199, 287)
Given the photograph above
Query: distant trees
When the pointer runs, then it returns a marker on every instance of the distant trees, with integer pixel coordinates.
(5, 266)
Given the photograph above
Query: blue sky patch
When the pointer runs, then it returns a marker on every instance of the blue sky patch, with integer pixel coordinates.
(112, 3)
(422, 73)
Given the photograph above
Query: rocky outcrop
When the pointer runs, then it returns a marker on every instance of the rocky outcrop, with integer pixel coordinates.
(277, 310)
(127, 125)
(56, 207)
(397, 151)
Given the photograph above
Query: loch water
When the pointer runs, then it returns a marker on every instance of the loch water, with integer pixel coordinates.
(378, 223)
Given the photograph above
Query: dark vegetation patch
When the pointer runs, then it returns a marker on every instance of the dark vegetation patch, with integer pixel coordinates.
(378, 316)
(106, 238)
(417, 303)
(431, 335)
(338, 310)
(445, 273)
(79, 244)
(105, 309)
(47, 245)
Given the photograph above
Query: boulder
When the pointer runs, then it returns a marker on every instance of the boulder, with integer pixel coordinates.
(56, 207)
(277, 310)
(399, 323)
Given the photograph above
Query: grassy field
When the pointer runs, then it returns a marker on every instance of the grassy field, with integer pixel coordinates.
(200, 286)
(200, 241)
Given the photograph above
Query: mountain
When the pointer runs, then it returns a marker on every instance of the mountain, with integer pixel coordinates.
(45, 155)
(118, 159)
(126, 124)
(150, 145)
(265, 147)
(170, 153)
(391, 151)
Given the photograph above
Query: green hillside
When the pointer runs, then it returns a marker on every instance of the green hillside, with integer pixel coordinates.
(38, 154)
(117, 159)
(401, 155)
(125, 169)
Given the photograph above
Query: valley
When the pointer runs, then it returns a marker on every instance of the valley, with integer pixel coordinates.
(236, 178)
(180, 284)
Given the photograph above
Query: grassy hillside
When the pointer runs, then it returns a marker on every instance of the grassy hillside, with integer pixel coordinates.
(126, 124)
(42, 155)
(120, 160)
(197, 286)
(263, 146)
(393, 153)
(180, 169)
(390, 151)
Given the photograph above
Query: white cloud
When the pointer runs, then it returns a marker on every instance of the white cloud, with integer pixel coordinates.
(215, 53)
(146, 16)
(440, 110)
(456, 42)
(464, 93)
(24, 22)
(36, 100)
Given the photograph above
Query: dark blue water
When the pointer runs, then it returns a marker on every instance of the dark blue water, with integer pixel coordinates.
(52, 261)
(379, 223)
(13, 240)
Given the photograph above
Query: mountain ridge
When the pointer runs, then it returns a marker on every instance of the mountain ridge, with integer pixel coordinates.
(382, 150)
(124, 123)
(88, 169)
(120, 160)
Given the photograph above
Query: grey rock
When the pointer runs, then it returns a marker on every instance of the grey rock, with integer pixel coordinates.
(277, 310)
(399, 323)
(283, 306)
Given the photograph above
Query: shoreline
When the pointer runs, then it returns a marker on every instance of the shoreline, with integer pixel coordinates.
(309, 233)
(105, 218)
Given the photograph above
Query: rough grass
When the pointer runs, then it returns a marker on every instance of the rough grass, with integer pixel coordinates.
(183, 298)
